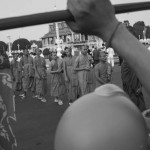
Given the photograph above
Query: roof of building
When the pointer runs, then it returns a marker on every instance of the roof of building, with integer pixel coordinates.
(63, 30)
(53, 33)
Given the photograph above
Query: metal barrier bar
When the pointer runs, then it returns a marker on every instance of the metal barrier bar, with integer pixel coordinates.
(63, 15)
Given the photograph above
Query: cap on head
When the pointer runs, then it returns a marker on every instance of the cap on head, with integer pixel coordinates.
(103, 120)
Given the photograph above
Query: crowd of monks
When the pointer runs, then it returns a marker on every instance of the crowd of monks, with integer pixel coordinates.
(73, 76)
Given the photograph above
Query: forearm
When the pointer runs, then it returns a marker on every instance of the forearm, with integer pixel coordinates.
(60, 70)
(65, 73)
(53, 72)
(128, 47)
(81, 68)
(100, 80)
(78, 69)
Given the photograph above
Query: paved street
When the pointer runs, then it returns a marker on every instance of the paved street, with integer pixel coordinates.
(37, 121)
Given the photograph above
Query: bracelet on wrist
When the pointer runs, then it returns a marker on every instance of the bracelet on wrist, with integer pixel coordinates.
(113, 34)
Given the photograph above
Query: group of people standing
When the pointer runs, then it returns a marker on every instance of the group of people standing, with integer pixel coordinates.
(29, 73)
(71, 74)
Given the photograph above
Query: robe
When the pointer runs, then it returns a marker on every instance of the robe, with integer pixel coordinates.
(72, 85)
(48, 75)
(40, 75)
(26, 64)
(102, 71)
(57, 79)
(131, 84)
(7, 109)
(83, 75)
(16, 71)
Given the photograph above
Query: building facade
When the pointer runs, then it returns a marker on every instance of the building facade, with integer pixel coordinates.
(67, 38)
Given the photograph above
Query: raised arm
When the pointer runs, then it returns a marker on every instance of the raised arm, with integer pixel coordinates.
(97, 17)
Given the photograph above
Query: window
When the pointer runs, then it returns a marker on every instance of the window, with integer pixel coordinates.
(60, 26)
(65, 25)
(51, 28)
(77, 37)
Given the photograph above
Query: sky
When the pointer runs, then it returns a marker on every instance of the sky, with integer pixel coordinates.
(11, 8)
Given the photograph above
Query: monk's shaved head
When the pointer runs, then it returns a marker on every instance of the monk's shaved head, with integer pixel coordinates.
(103, 120)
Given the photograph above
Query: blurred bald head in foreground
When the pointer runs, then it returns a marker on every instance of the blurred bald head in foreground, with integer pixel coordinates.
(103, 120)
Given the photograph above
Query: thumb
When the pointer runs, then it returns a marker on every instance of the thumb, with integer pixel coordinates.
(73, 26)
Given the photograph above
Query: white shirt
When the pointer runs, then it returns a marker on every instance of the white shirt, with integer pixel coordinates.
(42, 55)
(110, 52)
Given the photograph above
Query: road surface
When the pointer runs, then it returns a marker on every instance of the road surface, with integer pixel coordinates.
(37, 121)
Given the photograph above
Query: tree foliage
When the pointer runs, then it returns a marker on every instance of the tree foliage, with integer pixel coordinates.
(38, 43)
(3, 46)
(131, 29)
(46, 52)
(21, 44)
(138, 29)
(148, 32)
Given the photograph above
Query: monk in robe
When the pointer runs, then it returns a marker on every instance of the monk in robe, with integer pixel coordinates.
(132, 86)
(55, 69)
(102, 70)
(47, 60)
(70, 76)
(16, 74)
(82, 67)
(91, 79)
(26, 65)
(40, 75)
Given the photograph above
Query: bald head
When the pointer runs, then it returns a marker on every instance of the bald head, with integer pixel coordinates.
(68, 51)
(103, 120)
(102, 56)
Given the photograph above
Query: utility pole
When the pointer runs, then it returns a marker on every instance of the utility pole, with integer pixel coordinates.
(9, 37)
(57, 38)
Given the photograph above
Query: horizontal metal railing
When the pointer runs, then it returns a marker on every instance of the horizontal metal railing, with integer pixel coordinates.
(63, 15)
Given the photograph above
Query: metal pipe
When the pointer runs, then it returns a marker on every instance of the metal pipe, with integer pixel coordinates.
(63, 15)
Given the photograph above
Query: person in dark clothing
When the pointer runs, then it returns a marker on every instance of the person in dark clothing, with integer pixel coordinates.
(96, 54)
(89, 51)
(4, 60)
(132, 86)
(120, 60)
(63, 53)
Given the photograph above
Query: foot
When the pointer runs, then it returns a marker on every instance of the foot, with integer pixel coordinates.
(35, 96)
(39, 97)
(23, 97)
(70, 103)
(60, 102)
(43, 100)
(56, 100)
